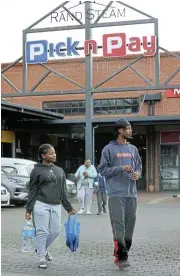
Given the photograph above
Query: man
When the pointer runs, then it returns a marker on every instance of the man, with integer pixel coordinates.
(121, 166)
(85, 176)
(101, 193)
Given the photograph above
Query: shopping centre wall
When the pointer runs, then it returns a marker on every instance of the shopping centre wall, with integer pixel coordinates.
(102, 68)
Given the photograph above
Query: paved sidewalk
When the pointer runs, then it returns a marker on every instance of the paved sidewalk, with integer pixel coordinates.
(155, 250)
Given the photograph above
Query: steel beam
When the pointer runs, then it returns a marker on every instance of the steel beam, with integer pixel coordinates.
(68, 11)
(119, 71)
(62, 76)
(88, 90)
(134, 9)
(40, 80)
(45, 16)
(103, 12)
(24, 65)
(97, 25)
(55, 29)
(11, 65)
(122, 23)
(140, 75)
(97, 90)
(157, 55)
(172, 54)
(43, 93)
(10, 84)
(135, 88)
(172, 76)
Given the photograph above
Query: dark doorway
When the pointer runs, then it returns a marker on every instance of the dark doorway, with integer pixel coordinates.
(6, 149)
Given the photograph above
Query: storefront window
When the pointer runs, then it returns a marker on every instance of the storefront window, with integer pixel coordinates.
(104, 106)
(170, 167)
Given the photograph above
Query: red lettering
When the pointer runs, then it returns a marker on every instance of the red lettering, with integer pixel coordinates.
(135, 45)
(90, 44)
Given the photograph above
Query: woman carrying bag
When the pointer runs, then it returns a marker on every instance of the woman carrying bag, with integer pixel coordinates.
(47, 192)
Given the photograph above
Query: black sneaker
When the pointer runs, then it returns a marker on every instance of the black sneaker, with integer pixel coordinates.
(99, 213)
(48, 256)
(42, 264)
(124, 264)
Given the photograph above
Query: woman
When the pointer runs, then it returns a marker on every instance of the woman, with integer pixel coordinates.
(47, 191)
(85, 186)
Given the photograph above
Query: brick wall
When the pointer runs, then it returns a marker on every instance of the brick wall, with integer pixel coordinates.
(102, 68)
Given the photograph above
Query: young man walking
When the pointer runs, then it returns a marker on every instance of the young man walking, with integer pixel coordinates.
(121, 166)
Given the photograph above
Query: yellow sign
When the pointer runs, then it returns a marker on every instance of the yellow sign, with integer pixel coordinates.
(7, 136)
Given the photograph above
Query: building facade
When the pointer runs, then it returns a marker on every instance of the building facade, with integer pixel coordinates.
(155, 115)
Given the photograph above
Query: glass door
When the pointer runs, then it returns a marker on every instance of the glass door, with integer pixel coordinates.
(170, 167)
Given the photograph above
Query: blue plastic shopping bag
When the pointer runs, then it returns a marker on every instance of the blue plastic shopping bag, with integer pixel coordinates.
(72, 228)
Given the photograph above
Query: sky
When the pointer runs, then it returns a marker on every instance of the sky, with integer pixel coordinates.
(17, 15)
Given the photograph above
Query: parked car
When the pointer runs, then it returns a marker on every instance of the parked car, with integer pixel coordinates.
(71, 187)
(5, 196)
(16, 186)
(16, 167)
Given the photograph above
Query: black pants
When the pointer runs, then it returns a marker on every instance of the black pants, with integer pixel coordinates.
(123, 217)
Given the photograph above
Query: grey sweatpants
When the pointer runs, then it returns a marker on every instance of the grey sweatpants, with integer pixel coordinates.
(101, 200)
(47, 220)
(122, 213)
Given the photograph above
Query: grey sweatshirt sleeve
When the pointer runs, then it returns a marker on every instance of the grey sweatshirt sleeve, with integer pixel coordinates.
(138, 163)
(105, 167)
(33, 189)
(65, 202)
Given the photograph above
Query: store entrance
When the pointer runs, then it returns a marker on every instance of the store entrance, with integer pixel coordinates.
(170, 167)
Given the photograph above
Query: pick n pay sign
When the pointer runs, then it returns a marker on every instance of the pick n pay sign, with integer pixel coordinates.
(113, 45)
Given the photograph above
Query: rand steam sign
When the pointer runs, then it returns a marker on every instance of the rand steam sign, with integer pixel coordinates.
(113, 45)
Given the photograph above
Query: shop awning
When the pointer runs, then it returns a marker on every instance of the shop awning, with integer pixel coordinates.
(14, 112)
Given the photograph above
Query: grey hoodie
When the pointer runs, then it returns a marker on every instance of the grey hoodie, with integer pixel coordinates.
(119, 182)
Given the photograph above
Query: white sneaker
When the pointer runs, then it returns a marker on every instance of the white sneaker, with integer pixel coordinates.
(81, 211)
(88, 213)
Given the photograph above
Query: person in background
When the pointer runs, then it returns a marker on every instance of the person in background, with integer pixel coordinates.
(47, 192)
(85, 176)
(101, 192)
(121, 166)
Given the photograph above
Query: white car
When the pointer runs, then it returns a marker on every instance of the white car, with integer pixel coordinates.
(5, 197)
(23, 167)
(17, 166)
(71, 187)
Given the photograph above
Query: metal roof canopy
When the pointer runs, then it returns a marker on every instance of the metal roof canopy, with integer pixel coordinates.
(17, 111)
(89, 88)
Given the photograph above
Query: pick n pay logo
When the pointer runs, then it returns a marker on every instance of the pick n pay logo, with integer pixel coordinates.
(113, 45)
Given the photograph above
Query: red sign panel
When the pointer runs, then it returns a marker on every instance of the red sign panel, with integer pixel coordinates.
(170, 137)
(173, 93)
(116, 45)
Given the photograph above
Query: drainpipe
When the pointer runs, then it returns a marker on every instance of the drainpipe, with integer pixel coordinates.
(153, 108)
(149, 108)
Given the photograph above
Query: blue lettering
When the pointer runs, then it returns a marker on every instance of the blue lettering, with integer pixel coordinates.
(71, 47)
(51, 49)
(58, 49)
